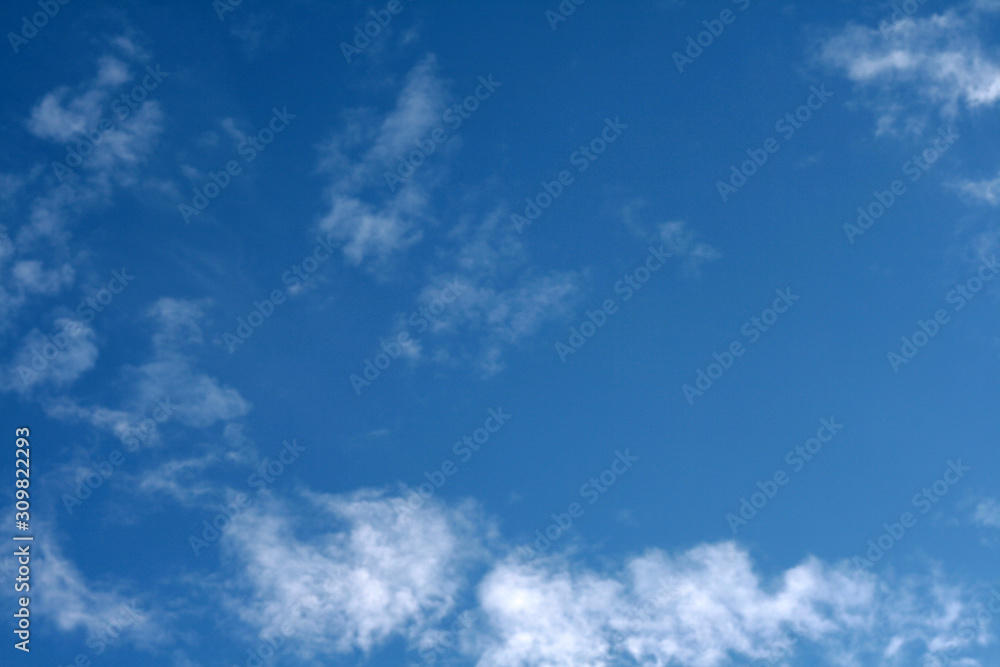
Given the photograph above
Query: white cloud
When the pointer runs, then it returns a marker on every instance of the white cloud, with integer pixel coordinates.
(500, 317)
(127, 146)
(55, 119)
(357, 576)
(55, 361)
(34, 279)
(65, 116)
(62, 595)
(197, 400)
(234, 132)
(256, 31)
(129, 47)
(546, 618)
(183, 480)
(987, 513)
(111, 71)
(371, 231)
(680, 241)
(177, 321)
(704, 606)
(986, 190)
(938, 60)
(364, 214)
(27, 277)
(366, 575)
(985, 240)
(201, 400)
(164, 389)
(60, 117)
(10, 185)
(498, 307)
(500, 303)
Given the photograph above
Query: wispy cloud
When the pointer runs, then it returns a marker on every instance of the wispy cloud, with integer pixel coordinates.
(938, 61)
(372, 222)
(105, 611)
(72, 116)
(987, 513)
(985, 190)
(40, 363)
(502, 302)
(199, 400)
(681, 241)
(34, 255)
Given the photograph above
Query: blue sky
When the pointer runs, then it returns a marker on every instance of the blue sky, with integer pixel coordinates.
(522, 333)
